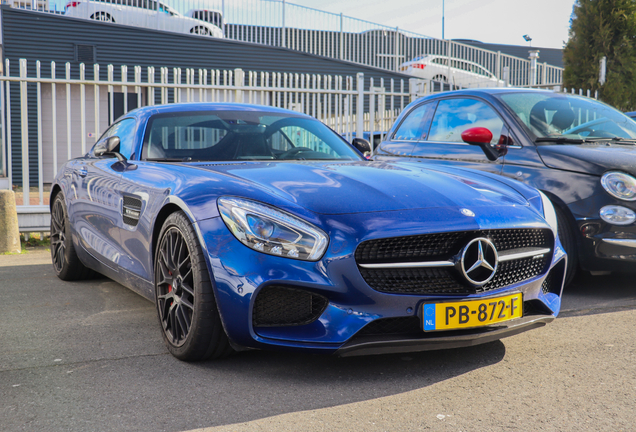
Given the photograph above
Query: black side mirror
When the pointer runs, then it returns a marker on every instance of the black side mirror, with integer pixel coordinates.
(109, 146)
(362, 146)
(482, 137)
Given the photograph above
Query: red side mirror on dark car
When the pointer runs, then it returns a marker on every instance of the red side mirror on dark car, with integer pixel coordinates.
(482, 137)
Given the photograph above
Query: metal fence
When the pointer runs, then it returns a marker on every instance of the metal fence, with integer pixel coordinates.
(50, 117)
(300, 28)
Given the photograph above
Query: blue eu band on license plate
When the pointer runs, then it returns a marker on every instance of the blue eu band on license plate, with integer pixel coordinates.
(471, 313)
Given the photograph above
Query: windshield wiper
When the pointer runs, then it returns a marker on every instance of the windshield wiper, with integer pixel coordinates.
(562, 140)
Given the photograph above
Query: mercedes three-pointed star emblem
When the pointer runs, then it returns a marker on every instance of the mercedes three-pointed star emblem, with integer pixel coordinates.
(479, 261)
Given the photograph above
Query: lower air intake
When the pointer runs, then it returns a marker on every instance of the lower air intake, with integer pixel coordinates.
(284, 306)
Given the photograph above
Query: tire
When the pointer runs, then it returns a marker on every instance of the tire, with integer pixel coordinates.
(102, 16)
(568, 241)
(190, 322)
(200, 30)
(66, 264)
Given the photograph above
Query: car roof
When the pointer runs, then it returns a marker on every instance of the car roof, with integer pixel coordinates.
(209, 106)
(490, 92)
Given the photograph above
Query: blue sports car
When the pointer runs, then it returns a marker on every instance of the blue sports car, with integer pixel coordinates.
(257, 227)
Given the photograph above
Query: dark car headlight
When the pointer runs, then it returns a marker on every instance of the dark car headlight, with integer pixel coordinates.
(272, 231)
(619, 185)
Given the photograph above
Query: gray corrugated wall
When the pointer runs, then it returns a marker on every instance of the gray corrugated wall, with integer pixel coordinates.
(47, 37)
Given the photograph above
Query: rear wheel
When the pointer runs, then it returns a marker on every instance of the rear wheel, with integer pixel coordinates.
(200, 30)
(187, 310)
(66, 264)
(102, 16)
(568, 241)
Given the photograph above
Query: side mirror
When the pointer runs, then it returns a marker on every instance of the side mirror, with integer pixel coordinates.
(482, 137)
(362, 145)
(108, 146)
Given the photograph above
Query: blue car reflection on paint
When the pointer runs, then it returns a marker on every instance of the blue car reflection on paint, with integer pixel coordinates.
(257, 227)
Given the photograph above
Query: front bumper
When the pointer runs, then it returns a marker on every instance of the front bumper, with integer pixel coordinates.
(240, 275)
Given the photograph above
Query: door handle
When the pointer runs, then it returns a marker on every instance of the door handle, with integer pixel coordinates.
(82, 172)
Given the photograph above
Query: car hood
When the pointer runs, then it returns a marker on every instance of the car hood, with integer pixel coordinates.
(590, 158)
(359, 187)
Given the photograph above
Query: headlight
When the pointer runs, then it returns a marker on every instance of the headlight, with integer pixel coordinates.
(617, 215)
(619, 185)
(549, 213)
(271, 231)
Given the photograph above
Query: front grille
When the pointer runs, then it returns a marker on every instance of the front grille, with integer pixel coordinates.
(284, 306)
(433, 247)
(443, 247)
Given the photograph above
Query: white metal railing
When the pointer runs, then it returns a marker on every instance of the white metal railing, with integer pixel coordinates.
(279, 23)
(73, 107)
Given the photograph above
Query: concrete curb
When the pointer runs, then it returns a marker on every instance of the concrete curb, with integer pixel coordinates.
(9, 231)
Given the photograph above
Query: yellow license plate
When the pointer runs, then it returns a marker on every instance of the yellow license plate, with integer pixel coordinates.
(471, 313)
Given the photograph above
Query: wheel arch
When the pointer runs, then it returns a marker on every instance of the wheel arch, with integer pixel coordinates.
(56, 189)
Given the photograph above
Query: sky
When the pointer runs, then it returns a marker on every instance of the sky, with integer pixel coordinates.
(490, 21)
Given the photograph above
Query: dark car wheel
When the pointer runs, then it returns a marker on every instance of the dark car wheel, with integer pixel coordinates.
(200, 30)
(188, 314)
(566, 235)
(66, 264)
(102, 16)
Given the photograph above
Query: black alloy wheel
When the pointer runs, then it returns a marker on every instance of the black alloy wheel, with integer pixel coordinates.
(66, 264)
(186, 307)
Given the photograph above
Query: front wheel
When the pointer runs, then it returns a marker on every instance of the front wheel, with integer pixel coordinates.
(66, 264)
(187, 310)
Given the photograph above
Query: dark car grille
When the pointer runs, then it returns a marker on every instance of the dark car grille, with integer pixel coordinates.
(442, 247)
(284, 306)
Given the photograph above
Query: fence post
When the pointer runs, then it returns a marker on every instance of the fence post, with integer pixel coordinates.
(284, 29)
(239, 81)
(360, 105)
(24, 120)
(341, 37)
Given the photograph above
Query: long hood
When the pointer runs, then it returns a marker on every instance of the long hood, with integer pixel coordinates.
(358, 187)
(590, 159)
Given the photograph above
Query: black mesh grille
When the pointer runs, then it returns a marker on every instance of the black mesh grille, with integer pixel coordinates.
(283, 306)
(430, 247)
(447, 280)
(131, 210)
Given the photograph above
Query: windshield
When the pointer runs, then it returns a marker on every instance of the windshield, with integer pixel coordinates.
(241, 135)
(569, 117)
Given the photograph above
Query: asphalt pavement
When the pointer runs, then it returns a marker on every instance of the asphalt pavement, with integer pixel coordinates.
(88, 356)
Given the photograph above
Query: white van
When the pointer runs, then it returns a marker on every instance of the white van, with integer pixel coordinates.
(141, 13)
(462, 72)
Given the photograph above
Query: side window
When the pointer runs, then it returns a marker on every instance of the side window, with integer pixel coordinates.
(454, 116)
(125, 130)
(415, 125)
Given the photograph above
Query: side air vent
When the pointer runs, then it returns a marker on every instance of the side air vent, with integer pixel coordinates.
(131, 210)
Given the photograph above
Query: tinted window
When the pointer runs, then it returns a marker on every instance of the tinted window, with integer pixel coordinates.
(125, 130)
(454, 116)
(414, 126)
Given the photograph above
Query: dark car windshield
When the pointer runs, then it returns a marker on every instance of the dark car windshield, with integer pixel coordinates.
(241, 135)
(564, 118)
